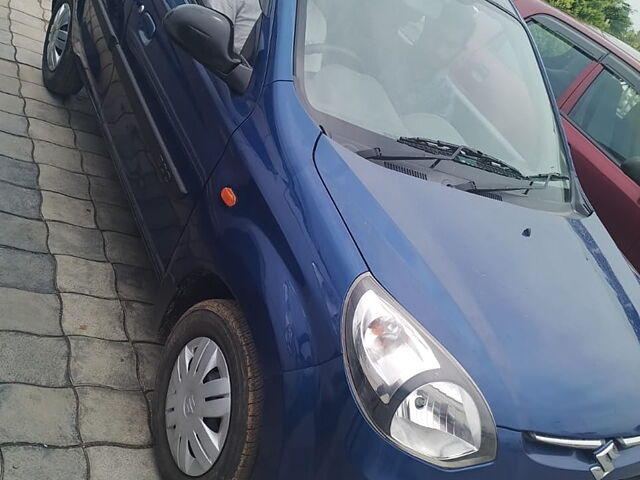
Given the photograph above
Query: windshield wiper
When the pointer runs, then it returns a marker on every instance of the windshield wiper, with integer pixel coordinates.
(447, 152)
(439, 151)
(530, 184)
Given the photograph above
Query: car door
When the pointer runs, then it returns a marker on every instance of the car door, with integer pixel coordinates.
(603, 126)
(168, 117)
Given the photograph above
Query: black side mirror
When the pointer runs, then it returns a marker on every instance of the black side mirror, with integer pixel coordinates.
(631, 167)
(207, 36)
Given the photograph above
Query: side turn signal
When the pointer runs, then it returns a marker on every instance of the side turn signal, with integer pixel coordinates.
(228, 196)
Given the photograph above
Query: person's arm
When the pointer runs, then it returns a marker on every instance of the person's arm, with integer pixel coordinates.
(229, 8)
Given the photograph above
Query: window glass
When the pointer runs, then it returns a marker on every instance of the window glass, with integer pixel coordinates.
(563, 60)
(453, 70)
(609, 113)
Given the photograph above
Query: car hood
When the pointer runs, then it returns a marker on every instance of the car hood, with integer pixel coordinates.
(545, 321)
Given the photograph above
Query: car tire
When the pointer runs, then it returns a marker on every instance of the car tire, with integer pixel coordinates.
(59, 68)
(220, 322)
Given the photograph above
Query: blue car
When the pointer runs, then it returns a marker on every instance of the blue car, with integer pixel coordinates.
(376, 261)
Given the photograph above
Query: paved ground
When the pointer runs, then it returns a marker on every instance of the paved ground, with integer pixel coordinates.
(77, 354)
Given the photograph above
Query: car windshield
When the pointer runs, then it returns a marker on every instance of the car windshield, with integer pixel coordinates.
(459, 71)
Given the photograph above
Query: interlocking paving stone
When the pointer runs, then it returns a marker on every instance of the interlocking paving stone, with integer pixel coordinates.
(27, 43)
(26, 270)
(7, 52)
(49, 132)
(148, 361)
(15, 147)
(91, 143)
(98, 165)
(108, 415)
(18, 232)
(19, 201)
(63, 181)
(103, 362)
(62, 157)
(32, 359)
(66, 209)
(11, 103)
(31, 463)
(80, 102)
(5, 34)
(136, 283)
(93, 317)
(29, 74)
(107, 191)
(47, 112)
(32, 8)
(32, 414)
(150, 397)
(77, 241)
(115, 463)
(25, 18)
(77, 275)
(28, 31)
(8, 68)
(84, 122)
(126, 249)
(114, 218)
(11, 123)
(28, 57)
(9, 85)
(24, 174)
(29, 312)
(38, 92)
(140, 322)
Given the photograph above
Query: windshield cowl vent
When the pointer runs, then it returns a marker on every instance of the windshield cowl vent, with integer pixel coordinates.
(493, 196)
(406, 170)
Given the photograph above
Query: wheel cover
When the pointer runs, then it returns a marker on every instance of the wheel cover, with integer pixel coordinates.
(58, 36)
(198, 406)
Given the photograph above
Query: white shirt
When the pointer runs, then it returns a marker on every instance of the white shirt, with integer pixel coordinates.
(243, 14)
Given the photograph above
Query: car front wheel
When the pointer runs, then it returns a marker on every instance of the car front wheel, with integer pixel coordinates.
(59, 68)
(208, 403)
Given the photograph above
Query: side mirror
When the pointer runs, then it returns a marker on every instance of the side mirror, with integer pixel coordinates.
(631, 167)
(207, 36)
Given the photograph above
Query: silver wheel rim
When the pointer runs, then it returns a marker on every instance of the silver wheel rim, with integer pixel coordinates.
(198, 406)
(58, 36)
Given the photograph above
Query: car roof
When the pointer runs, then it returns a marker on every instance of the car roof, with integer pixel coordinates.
(630, 55)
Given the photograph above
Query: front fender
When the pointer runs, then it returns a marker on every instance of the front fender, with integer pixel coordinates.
(283, 251)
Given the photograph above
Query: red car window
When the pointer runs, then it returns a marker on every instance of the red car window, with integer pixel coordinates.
(609, 113)
(563, 60)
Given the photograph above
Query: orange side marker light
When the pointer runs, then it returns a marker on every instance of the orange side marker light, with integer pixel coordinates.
(228, 197)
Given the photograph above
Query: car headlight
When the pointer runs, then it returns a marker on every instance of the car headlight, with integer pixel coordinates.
(409, 387)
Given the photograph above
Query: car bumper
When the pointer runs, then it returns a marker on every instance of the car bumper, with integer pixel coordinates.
(314, 430)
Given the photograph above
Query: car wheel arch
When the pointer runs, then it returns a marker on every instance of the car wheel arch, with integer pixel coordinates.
(202, 285)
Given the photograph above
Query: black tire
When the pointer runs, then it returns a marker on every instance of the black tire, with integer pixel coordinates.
(222, 322)
(65, 79)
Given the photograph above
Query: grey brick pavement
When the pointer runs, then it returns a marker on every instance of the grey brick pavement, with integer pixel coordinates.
(77, 350)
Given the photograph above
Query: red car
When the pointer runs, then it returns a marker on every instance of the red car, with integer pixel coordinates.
(596, 82)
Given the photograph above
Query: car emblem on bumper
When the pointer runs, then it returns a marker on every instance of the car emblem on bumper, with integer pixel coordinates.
(605, 451)
(605, 457)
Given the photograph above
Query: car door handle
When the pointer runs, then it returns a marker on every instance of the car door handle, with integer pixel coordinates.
(146, 27)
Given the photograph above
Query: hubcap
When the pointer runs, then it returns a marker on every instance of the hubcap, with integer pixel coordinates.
(198, 406)
(58, 36)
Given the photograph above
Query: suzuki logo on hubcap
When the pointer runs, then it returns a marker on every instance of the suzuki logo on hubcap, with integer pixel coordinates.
(189, 405)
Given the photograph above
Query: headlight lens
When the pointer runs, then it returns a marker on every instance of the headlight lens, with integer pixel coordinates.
(409, 387)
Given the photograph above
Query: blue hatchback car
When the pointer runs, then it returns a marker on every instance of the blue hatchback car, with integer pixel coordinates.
(376, 261)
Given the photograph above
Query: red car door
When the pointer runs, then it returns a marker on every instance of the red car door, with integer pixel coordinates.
(602, 122)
